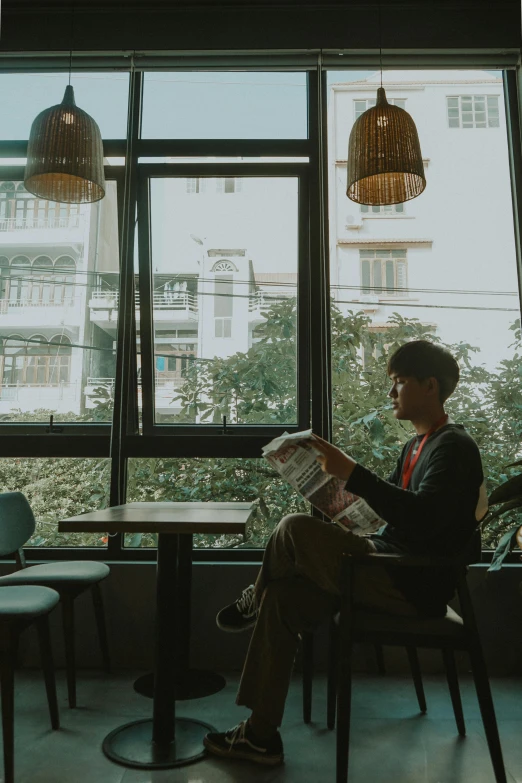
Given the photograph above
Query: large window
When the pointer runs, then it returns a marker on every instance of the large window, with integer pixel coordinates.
(232, 105)
(57, 330)
(433, 275)
(218, 267)
(58, 488)
(152, 343)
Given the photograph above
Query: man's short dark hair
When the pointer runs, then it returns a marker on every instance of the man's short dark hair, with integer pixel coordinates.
(421, 359)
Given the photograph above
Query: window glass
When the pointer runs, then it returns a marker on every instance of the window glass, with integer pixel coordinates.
(58, 306)
(217, 105)
(57, 489)
(224, 301)
(102, 95)
(433, 275)
(473, 111)
(249, 480)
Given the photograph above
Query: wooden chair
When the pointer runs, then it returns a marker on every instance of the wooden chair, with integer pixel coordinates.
(307, 647)
(19, 608)
(448, 634)
(68, 578)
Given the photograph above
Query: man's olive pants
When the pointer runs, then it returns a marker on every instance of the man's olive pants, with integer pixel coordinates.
(296, 589)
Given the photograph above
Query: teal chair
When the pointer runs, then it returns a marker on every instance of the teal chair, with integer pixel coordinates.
(19, 608)
(68, 578)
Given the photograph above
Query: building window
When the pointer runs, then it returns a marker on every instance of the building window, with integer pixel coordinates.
(223, 266)
(383, 272)
(63, 280)
(385, 209)
(195, 184)
(228, 185)
(360, 106)
(35, 362)
(19, 283)
(223, 327)
(7, 192)
(223, 292)
(473, 111)
(19, 209)
(41, 281)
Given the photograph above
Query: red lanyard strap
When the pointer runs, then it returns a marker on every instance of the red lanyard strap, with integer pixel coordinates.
(410, 463)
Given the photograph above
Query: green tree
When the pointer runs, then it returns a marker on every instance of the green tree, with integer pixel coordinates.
(259, 387)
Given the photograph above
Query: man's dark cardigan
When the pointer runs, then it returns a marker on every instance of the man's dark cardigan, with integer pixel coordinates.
(434, 516)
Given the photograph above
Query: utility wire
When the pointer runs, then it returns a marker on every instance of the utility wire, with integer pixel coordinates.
(175, 276)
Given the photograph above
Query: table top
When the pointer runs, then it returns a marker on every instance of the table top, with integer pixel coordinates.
(226, 517)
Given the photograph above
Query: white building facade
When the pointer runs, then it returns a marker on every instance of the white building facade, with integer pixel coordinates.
(447, 257)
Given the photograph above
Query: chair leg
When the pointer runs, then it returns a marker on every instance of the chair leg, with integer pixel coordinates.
(487, 711)
(417, 677)
(7, 697)
(331, 687)
(99, 613)
(344, 708)
(308, 673)
(453, 684)
(379, 657)
(68, 636)
(46, 656)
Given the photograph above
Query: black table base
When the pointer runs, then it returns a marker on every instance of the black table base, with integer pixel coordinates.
(131, 745)
(193, 684)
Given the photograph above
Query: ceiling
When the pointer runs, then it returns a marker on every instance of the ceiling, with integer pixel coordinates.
(19, 6)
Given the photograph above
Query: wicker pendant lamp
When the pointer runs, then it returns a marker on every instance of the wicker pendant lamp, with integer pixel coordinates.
(384, 156)
(65, 155)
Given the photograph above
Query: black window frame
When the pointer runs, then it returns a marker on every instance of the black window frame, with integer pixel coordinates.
(122, 440)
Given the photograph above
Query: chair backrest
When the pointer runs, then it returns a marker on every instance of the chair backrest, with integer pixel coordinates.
(16, 522)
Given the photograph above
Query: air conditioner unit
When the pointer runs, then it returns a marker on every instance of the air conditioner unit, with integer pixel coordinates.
(352, 222)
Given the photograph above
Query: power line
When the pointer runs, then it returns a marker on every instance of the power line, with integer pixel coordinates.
(20, 338)
(34, 278)
(436, 307)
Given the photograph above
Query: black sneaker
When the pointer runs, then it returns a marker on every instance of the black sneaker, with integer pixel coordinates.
(241, 615)
(240, 743)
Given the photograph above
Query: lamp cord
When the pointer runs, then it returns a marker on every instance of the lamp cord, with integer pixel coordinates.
(380, 38)
(71, 41)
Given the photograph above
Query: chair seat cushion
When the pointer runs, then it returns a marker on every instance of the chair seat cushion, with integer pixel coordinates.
(26, 601)
(69, 573)
(374, 622)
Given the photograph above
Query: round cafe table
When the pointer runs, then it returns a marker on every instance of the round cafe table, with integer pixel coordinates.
(164, 741)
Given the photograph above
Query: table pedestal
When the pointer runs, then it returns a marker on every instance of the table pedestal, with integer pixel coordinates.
(189, 683)
(165, 741)
(132, 745)
(192, 684)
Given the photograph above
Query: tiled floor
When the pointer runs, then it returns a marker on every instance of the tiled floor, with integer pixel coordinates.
(391, 742)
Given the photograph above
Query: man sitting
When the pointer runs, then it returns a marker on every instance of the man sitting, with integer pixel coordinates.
(432, 503)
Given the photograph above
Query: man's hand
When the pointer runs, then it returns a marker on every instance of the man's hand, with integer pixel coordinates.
(333, 460)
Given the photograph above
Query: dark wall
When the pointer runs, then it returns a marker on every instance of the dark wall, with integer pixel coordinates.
(129, 594)
(30, 26)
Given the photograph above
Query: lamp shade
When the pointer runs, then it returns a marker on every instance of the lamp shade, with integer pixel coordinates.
(65, 155)
(384, 156)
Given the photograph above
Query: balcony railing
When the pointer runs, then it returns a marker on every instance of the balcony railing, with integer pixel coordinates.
(263, 300)
(169, 300)
(30, 223)
(172, 382)
(41, 391)
(17, 304)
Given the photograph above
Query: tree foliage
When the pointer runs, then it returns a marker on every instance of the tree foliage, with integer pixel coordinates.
(259, 387)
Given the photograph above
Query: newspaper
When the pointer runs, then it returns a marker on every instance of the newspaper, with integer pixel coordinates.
(294, 457)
